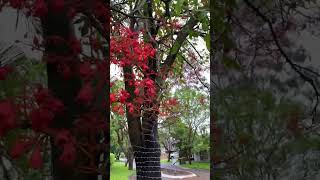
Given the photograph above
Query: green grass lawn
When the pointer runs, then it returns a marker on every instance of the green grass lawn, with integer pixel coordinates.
(165, 161)
(119, 172)
(197, 165)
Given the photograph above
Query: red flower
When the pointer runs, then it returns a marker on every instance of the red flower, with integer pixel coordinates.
(124, 95)
(85, 70)
(41, 95)
(4, 71)
(173, 102)
(112, 98)
(121, 110)
(131, 107)
(153, 52)
(36, 158)
(151, 92)
(69, 154)
(63, 137)
(55, 105)
(115, 108)
(118, 109)
(85, 95)
(137, 92)
(41, 118)
(40, 8)
(58, 5)
(7, 117)
(18, 148)
(17, 4)
(149, 83)
(75, 45)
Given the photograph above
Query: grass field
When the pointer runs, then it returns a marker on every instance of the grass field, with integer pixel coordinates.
(119, 172)
(197, 165)
(165, 161)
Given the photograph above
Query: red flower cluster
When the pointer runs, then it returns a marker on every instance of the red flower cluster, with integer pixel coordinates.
(64, 139)
(4, 71)
(48, 107)
(129, 50)
(41, 113)
(7, 117)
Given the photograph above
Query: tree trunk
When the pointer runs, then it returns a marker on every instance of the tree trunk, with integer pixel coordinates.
(66, 90)
(148, 156)
(130, 159)
(190, 155)
(169, 156)
(130, 162)
(143, 138)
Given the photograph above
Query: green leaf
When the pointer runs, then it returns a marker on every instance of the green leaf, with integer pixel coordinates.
(179, 6)
(193, 34)
(207, 39)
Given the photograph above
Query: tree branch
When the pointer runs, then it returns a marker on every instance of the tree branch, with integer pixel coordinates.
(181, 37)
(294, 66)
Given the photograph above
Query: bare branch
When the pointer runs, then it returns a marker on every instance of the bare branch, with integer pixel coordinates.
(294, 66)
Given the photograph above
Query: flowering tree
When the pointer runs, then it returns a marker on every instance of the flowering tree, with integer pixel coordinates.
(149, 47)
(70, 112)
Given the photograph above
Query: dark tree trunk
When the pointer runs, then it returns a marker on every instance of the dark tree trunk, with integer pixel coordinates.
(169, 156)
(189, 155)
(143, 133)
(130, 162)
(130, 159)
(148, 156)
(66, 90)
(143, 139)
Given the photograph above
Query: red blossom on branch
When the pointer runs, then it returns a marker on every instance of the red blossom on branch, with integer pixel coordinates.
(7, 117)
(112, 98)
(36, 161)
(40, 8)
(85, 95)
(41, 119)
(4, 71)
(19, 147)
(68, 155)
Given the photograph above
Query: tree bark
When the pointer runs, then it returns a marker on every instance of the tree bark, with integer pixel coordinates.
(58, 24)
(169, 156)
(189, 155)
(148, 156)
(130, 162)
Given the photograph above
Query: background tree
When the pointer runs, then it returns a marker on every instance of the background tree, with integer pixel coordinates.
(194, 113)
(257, 48)
(69, 112)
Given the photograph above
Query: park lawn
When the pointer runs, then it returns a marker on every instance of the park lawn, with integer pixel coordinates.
(119, 172)
(197, 165)
(165, 161)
